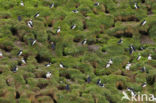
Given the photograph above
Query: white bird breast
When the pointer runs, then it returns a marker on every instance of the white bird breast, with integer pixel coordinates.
(149, 58)
(1, 54)
(139, 58)
(110, 62)
(127, 67)
(144, 23)
(108, 65)
(61, 65)
(22, 4)
(48, 75)
(23, 61)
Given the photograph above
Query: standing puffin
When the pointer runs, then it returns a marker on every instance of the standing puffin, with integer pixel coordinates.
(37, 14)
(48, 65)
(48, 74)
(23, 61)
(22, 3)
(75, 11)
(20, 53)
(73, 26)
(150, 57)
(96, 4)
(30, 23)
(84, 42)
(61, 65)
(120, 41)
(52, 45)
(14, 69)
(52, 5)
(1, 54)
(136, 6)
(143, 23)
(139, 57)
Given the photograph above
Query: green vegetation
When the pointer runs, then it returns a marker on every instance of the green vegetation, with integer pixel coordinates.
(102, 26)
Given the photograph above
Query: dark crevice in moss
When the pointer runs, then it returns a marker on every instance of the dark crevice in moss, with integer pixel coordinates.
(143, 32)
(52, 97)
(19, 63)
(64, 54)
(84, 25)
(77, 39)
(40, 59)
(50, 25)
(14, 31)
(25, 78)
(120, 86)
(67, 75)
(17, 95)
(6, 49)
(126, 18)
(143, 1)
(150, 79)
(106, 10)
(149, 10)
(1, 71)
(125, 34)
(61, 87)
(122, 73)
(42, 85)
(80, 94)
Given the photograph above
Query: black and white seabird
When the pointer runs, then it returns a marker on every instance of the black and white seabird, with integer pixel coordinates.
(131, 90)
(128, 66)
(131, 49)
(52, 5)
(108, 65)
(150, 57)
(22, 3)
(14, 69)
(84, 42)
(96, 4)
(48, 74)
(75, 11)
(58, 30)
(110, 61)
(73, 26)
(143, 23)
(52, 45)
(98, 82)
(19, 18)
(1, 54)
(48, 65)
(139, 57)
(101, 85)
(88, 79)
(136, 6)
(30, 23)
(144, 84)
(20, 53)
(61, 65)
(37, 14)
(23, 61)
(120, 41)
(143, 69)
(67, 87)
(33, 42)
(141, 48)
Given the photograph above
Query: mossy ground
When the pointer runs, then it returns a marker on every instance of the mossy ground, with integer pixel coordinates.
(102, 26)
